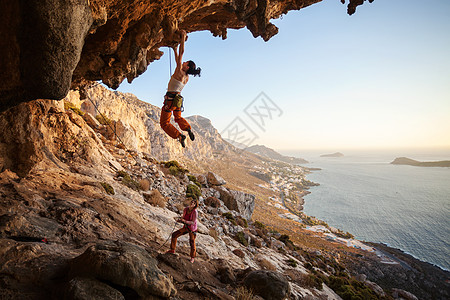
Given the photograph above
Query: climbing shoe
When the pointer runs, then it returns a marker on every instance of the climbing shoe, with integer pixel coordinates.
(192, 260)
(191, 135)
(182, 139)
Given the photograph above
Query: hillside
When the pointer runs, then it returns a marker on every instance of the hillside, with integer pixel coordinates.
(336, 154)
(270, 153)
(412, 162)
(84, 215)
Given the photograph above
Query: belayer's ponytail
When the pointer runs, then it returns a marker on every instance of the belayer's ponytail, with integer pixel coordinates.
(192, 69)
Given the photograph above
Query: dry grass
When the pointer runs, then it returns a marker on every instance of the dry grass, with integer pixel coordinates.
(266, 265)
(155, 198)
(144, 184)
(242, 293)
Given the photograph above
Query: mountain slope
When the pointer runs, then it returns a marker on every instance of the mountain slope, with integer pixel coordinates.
(270, 153)
(137, 125)
(82, 217)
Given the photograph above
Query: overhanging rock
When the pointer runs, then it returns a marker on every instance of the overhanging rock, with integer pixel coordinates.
(48, 46)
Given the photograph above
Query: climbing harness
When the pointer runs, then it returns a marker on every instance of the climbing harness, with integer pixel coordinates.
(173, 100)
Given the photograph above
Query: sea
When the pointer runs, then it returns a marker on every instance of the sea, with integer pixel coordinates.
(405, 207)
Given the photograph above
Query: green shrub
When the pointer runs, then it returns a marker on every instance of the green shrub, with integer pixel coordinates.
(287, 241)
(242, 222)
(230, 218)
(102, 119)
(259, 225)
(174, 168)
(193, 191)
(68, 105)
(240, 237)
(350, 289)
(316, 281)
(122, 173)
(128, 181)
(108, 188)
(194, 180)
(292, 262)
(345, 235)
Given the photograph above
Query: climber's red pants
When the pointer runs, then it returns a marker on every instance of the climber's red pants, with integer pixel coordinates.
(180, 232)
(164, 121)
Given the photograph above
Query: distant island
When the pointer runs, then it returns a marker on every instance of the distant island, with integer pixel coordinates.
(336, 154)
(270, 153)
(412, 162)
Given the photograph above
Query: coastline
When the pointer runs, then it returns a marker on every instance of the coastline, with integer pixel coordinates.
(381, 240)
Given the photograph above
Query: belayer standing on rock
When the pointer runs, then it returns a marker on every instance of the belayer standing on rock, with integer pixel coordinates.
(189, 219)
(173, 101)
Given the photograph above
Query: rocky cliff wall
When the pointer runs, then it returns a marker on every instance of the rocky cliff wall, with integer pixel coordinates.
(41, 133)
(71, 226)
(48, 45)
(137, 125)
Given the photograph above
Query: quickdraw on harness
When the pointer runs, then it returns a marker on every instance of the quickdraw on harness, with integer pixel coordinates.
(173, 100)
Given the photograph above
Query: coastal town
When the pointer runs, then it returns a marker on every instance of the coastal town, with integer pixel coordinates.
(289, 184)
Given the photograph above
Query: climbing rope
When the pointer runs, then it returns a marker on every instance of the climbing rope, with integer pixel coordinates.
(174, 225)
(115, 133)
(170, 62)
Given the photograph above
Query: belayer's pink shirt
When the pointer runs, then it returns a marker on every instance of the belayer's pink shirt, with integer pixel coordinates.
(190, 217)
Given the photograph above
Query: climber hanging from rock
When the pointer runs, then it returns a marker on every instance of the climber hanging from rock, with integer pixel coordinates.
(189, 219)
(173, 101)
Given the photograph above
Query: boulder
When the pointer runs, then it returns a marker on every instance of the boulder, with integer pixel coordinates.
(361, 277)
(88, 288)
(256, 241)
(202, 179)
(238, 201)
(268, 284)
(402, 294)
(115, 165)
(214, 179)
(125, 265)
(91, 121)
(212, 202)
(224, 272)
(75, 118)
(239, 253)
(276, 244)
(376, 288)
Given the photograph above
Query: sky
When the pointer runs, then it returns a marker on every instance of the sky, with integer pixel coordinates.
(377, 79)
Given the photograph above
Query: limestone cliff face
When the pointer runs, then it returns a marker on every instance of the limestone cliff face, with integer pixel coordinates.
(48, 45)
(39, 133)
(137, 125)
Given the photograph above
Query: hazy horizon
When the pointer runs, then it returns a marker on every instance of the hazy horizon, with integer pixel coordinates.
(388, 153)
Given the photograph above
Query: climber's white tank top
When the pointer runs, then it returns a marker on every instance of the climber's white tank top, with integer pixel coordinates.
(175, 85)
